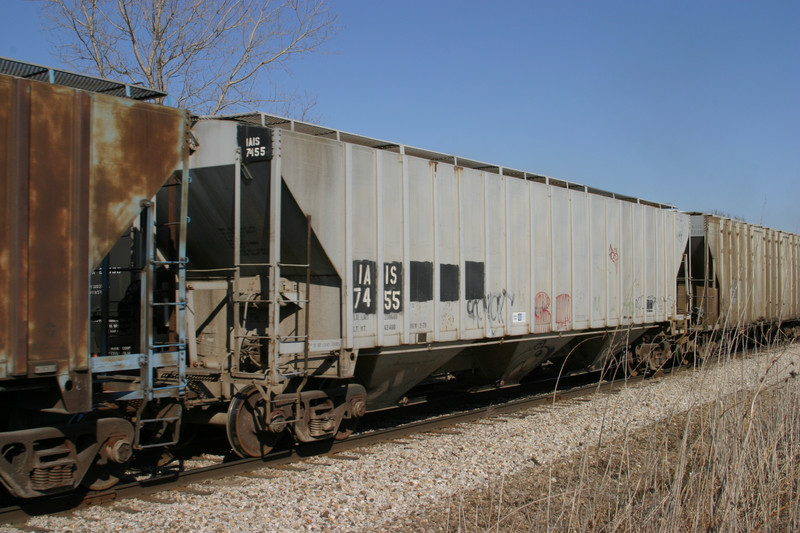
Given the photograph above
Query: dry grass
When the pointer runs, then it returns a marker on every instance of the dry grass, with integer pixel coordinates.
(729, 465)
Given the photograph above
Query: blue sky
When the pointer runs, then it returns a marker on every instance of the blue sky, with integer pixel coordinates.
(691, 103)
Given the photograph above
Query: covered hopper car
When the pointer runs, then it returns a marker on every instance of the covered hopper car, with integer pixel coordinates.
(79, 169)
(743, 283)
(280, 279)
(348, 259)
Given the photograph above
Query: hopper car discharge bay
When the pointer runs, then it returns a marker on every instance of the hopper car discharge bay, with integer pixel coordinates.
(279, 278)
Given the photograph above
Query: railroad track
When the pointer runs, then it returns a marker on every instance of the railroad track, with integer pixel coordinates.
(16, 514)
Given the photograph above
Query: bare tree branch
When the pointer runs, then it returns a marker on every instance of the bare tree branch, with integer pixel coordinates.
(212, 57)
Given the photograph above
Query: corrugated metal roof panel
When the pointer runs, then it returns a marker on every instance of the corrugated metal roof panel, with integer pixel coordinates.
(273, 121)
(31, 71)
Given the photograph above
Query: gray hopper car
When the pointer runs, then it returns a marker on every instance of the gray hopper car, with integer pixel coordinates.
(341, 258)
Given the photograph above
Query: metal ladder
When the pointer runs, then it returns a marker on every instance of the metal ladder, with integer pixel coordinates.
(170, 353)
(241, 300)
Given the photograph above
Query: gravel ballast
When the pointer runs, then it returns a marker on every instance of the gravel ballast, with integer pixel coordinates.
(390, 481)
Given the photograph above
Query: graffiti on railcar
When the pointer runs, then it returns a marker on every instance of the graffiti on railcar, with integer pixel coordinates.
(613, 253)
(492, 308)
(541, 312)
(563, 311)
(627, 310)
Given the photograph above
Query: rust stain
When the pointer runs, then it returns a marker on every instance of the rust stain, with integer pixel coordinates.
(75, 167)
(14, 215)
(5, 224)
(135, 148)
(50, 266)
(57, 269)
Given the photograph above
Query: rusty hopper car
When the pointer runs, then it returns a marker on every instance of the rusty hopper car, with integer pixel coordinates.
(78, 168)
(337, 266)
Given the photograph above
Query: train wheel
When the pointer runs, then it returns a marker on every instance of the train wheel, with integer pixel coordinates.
(357, 409)
(660, 355)
(115, 454)
(104, 476)
(248, 431)
(706, 350)
(346, 428)
(618, 365)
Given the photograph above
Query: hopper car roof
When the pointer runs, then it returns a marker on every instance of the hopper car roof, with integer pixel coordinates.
(735, 220)
(274, 121)
(31, 71)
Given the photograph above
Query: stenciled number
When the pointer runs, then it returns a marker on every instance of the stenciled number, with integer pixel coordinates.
(259, 151)
(363, 276)
(362, 296)
(391, 300)
(364, 279)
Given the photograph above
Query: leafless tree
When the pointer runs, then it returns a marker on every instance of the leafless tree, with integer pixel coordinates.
(212, 56)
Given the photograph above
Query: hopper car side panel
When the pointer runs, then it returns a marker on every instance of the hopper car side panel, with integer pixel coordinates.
(438, 257)
(444, 256)
(482, 240)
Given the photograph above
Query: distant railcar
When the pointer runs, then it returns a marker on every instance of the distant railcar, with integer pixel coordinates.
(743, 280)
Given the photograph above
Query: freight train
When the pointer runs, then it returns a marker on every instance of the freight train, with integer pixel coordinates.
(280, 279)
